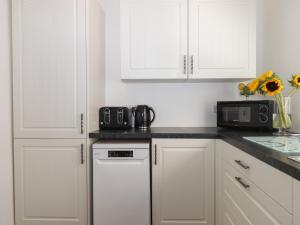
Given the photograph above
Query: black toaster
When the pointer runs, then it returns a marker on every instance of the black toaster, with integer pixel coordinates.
(112, 118)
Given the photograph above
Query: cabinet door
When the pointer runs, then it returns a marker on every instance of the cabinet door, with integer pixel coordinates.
(296, 202)
(153, 39)
(49, 68)
(222, 39)
(183, 181)
(50, 182)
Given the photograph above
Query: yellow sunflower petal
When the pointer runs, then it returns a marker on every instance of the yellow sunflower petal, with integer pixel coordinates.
(253, 85)
(266, 75)
(296, 80)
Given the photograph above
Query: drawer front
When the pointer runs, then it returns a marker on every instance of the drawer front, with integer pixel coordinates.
(281, 185)
(244, 203)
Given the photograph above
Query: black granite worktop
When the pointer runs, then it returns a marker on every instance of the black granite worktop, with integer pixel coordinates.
(274, 158)
(156, 132)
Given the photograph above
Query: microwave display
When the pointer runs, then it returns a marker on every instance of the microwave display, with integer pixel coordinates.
(237, 114)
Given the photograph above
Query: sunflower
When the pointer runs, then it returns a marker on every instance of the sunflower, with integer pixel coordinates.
(295, 81)
(272, 87)
(253, 85)
(241, 86)
(266, 75)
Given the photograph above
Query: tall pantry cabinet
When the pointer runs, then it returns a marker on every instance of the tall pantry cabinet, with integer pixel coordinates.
(58, 87)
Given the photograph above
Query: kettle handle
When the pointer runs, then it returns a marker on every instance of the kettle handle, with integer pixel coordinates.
(153, 118)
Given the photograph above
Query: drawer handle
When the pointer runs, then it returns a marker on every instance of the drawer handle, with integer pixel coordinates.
(239, 162)
(238, 179)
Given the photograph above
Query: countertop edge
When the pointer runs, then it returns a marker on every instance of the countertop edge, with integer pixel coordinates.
(271, 157)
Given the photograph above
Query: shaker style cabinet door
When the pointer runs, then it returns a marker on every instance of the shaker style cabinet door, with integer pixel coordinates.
(50, 182)
(154, 39)
(49, 68)
(222, 39)
(183, 182)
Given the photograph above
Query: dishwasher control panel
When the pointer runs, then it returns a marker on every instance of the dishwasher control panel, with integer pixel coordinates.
(120, 154)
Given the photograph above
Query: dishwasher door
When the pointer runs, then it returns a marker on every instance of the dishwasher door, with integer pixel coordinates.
(121, 187)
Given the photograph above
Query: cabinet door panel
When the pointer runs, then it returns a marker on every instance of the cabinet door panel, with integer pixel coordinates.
(154, 38)
(49, 68)
(183, 182)
(50, 182)
(222, 38)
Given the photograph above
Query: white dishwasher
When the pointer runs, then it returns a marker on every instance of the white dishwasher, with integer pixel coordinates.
(121, 183)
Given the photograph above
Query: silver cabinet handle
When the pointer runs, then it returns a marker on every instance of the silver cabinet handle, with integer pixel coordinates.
(192, 64)
(184, 64)
(239, 179)
(240, 163)
(81, 123)
(81, 154)
(155, 154)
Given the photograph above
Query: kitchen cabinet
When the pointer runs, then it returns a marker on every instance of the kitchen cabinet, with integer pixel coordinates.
(296, 202)
(222, 39)
(54, 53)
(188, 39)
(154, 39)
(240, 199)
(50, 182)
(183, 181)
(58, 88)
(49, 67)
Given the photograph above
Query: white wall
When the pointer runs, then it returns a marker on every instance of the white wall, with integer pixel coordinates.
(281, 45)
(176, 104)
(6, 186)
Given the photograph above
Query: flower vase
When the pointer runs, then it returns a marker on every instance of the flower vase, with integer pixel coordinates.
(282, 117)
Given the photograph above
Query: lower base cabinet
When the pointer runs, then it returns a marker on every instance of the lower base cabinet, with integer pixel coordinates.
(296, 202)
(50, 182)
(183, 181)
(240, 200)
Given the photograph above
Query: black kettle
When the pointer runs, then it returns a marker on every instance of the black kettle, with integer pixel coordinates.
(142, 116)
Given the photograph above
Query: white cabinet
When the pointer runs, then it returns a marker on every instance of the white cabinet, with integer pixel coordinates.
(153, 39)
(296, 202)
(240, 199)
(58, 82)
(50, 182)
(222, 38)
(183, 181)
(188, 39)
(49, 67)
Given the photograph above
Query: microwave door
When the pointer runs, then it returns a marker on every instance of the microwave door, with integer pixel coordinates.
(245, 114)
(236, 115)
(230, 114)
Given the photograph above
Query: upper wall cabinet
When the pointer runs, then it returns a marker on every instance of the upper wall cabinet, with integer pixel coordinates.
(49, 68)
(154, 39)
(188, 39)
(222, 38)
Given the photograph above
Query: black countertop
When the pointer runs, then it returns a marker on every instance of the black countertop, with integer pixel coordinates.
(234, 137)
(156, 132)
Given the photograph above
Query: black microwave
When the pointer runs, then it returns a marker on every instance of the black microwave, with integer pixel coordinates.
(246, 114)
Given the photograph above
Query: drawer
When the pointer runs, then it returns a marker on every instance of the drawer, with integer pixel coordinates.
(273, 182)
(244, 203)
